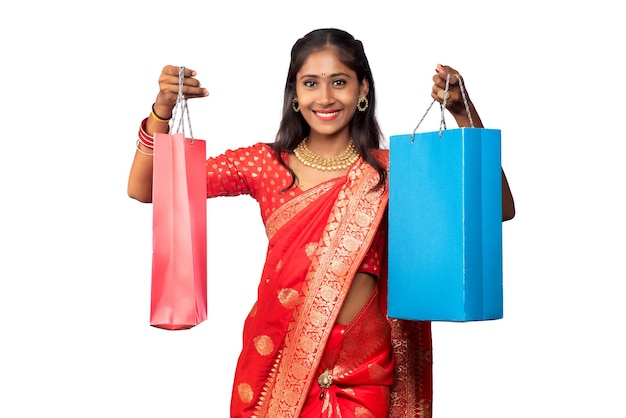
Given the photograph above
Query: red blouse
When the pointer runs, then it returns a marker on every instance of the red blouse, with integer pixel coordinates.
(256, 171)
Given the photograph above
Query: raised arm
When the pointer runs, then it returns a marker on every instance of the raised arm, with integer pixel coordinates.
(455, 105)
(140, 177)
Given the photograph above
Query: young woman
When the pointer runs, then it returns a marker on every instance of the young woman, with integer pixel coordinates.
(317, 342)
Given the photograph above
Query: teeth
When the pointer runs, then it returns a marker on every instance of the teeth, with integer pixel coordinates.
(325, 115)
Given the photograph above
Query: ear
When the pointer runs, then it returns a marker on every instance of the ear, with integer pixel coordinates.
(364, 89)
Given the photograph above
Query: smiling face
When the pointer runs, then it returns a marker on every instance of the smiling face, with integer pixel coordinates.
(328, 92)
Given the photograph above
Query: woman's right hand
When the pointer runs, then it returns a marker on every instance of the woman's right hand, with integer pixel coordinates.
(169, 85)
(140, 178)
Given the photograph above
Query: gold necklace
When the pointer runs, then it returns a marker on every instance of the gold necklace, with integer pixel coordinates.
(338, 162)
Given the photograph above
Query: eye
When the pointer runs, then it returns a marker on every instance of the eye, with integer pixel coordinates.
(310, 83)
(339, 83)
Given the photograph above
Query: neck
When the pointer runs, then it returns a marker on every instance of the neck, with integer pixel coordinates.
(328, 147)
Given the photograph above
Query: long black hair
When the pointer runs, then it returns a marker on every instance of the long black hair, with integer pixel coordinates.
(364, 127)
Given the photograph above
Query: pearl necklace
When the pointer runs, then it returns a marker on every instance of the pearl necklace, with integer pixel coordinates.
(339, 162)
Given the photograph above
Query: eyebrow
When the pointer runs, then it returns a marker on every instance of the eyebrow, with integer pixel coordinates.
(329, 75)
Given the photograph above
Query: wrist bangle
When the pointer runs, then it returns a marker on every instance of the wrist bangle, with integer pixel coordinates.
(149, 154)
(144, 138)
(159, 118)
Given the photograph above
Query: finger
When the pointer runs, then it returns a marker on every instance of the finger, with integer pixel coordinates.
(171, 74)
(169, 82)
(439, 82)
(191, 82)
(444, 70)
(192, 92)
(170, 70)
(168, 77)
(175, 70)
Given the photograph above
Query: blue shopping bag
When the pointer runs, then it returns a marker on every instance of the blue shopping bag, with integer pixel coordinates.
(445, 225)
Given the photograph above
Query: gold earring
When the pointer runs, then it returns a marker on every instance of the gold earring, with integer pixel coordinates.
(295, 104)
(362, 104)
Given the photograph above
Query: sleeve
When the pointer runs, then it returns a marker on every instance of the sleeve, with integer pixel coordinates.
(235, 172)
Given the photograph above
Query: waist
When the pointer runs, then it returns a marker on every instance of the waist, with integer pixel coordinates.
(356, 370)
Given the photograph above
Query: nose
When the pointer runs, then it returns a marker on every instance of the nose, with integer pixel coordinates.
(326, 96)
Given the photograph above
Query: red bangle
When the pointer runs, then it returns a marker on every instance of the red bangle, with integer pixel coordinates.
(144, 138)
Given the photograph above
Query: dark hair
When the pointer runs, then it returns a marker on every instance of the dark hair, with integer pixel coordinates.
(364, 127)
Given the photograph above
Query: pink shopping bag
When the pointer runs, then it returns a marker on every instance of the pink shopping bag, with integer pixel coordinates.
(179, 269)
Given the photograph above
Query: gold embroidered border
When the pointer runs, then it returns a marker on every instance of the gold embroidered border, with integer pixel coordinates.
(412, 364)
(290, 209)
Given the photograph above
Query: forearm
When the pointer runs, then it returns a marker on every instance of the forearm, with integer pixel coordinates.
(508, 204)
(140, 177)
(463, 119)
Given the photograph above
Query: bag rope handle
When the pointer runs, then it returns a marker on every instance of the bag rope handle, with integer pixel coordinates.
(181, 106)
(442, 121)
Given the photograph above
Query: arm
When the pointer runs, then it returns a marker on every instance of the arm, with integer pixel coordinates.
(455, 105)
(140, 177)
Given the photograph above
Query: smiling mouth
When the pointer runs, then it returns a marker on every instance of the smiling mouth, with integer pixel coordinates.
(327, 114)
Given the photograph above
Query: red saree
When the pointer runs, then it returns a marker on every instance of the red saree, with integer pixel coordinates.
(317, 241)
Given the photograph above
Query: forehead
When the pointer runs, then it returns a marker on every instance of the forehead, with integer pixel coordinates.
(324, 61)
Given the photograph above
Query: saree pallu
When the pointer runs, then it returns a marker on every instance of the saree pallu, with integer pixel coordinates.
(280, 291)
(317, 240)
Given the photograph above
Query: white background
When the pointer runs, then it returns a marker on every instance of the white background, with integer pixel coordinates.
(78, 77)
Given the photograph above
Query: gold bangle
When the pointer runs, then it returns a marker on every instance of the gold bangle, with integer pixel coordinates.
(157, 117)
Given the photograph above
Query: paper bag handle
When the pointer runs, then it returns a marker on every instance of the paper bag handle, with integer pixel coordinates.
(442, 122)
(180, 109)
